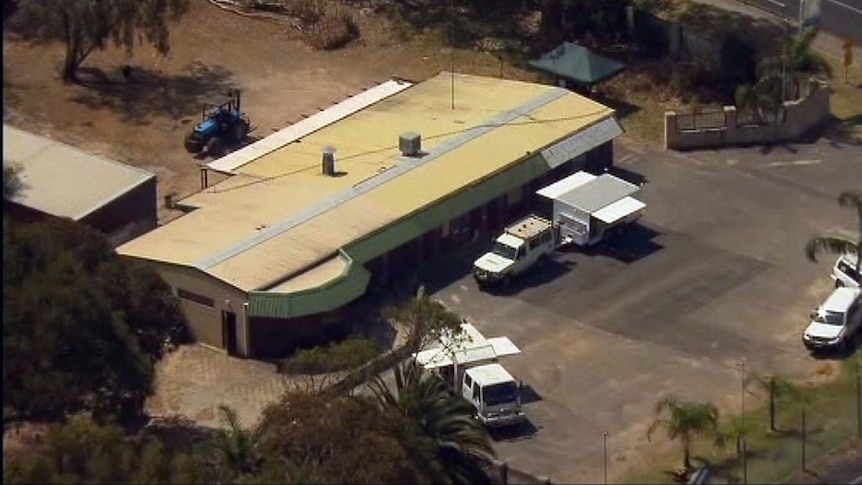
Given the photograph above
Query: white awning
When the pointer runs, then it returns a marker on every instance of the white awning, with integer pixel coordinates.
(618, 210)
(233, 161)
(567, 184)
(503, 346)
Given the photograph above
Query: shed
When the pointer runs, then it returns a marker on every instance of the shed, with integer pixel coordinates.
(63, 181)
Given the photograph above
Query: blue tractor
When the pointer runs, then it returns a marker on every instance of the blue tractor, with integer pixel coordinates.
(221, 125)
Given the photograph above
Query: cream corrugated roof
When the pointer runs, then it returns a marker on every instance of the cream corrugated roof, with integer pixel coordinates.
(282, 216)
(64, 181)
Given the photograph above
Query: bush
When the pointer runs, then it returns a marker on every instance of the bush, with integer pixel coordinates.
(345, 355)
(335, 29)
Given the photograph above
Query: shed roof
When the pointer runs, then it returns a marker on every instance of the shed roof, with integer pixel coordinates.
(62, 180)
(577, 63)
(281, 216)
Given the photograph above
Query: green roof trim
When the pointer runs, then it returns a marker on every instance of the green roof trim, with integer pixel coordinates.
(577, 63)
(330, 296)
(390, 237)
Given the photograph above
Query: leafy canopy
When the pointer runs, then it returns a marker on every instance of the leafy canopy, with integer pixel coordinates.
(82, 328)
(89, 25)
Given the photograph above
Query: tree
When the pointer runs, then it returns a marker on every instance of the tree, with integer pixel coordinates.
(781, 77)
(801, 61)
(89, 25)
(82, 328)
(319, 366)
(441, 428)
(737, 428)
(311, 438)
(684, 420)
(838, 244)
(237, 446)
(776, 387)
(763, 98)
(426, 319)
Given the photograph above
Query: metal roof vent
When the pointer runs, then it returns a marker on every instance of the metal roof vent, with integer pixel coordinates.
(410, 144)
(328, 163)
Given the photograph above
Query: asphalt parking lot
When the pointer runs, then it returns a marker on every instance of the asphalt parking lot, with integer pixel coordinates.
(713, 273)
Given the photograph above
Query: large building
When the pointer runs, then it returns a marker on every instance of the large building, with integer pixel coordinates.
(58, 180)
(268, 259)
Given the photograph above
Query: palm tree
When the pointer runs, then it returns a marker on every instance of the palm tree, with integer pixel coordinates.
(837, 244)
(237, 445)
(441, 426)
(684, 420)
(801, 62)
(763, 98)
(737, 428)
(791, 68)
(776, 387)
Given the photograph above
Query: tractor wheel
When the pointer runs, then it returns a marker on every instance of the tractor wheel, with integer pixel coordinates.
(213, 145)
(193, 143)
(240, 131)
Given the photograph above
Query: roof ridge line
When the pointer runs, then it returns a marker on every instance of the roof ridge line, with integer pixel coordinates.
(407, 165)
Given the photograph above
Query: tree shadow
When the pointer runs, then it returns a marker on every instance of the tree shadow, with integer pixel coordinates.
(148, 92)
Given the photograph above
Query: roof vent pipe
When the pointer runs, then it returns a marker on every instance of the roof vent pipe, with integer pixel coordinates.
(328, 164)
(410, 144)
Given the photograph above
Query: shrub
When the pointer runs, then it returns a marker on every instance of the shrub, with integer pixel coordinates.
(345, 355)
(335, 29)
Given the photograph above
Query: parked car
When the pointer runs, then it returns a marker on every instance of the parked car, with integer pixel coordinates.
(835, 322)
(844, 272)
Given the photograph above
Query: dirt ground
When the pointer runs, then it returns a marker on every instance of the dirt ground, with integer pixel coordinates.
(142, 122)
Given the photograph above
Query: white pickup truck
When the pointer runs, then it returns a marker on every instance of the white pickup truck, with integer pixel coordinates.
(516, 250)
(469, 363)
(586, 208)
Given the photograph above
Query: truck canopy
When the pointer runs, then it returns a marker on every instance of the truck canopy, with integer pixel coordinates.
(489, 374)
(605, 197)
(470, 347)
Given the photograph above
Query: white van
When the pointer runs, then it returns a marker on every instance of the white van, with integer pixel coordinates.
(844, 272)
(835, 322)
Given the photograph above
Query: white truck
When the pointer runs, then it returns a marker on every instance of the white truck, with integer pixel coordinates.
(586, 208)
(469, 363)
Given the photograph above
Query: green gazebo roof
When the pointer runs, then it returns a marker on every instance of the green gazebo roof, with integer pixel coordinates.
(577, 63)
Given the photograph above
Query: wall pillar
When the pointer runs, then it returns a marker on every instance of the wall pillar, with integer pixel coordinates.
(671, 128)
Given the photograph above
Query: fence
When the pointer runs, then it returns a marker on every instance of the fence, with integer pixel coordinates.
(684, 131)
(702, 120)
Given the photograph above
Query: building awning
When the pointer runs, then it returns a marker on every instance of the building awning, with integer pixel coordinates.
(618, 210)
(578, 64)
(315, 291)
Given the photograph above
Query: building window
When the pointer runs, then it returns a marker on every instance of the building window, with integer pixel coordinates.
(192, 296)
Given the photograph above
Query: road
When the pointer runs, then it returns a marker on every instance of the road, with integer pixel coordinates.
(841, 18)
